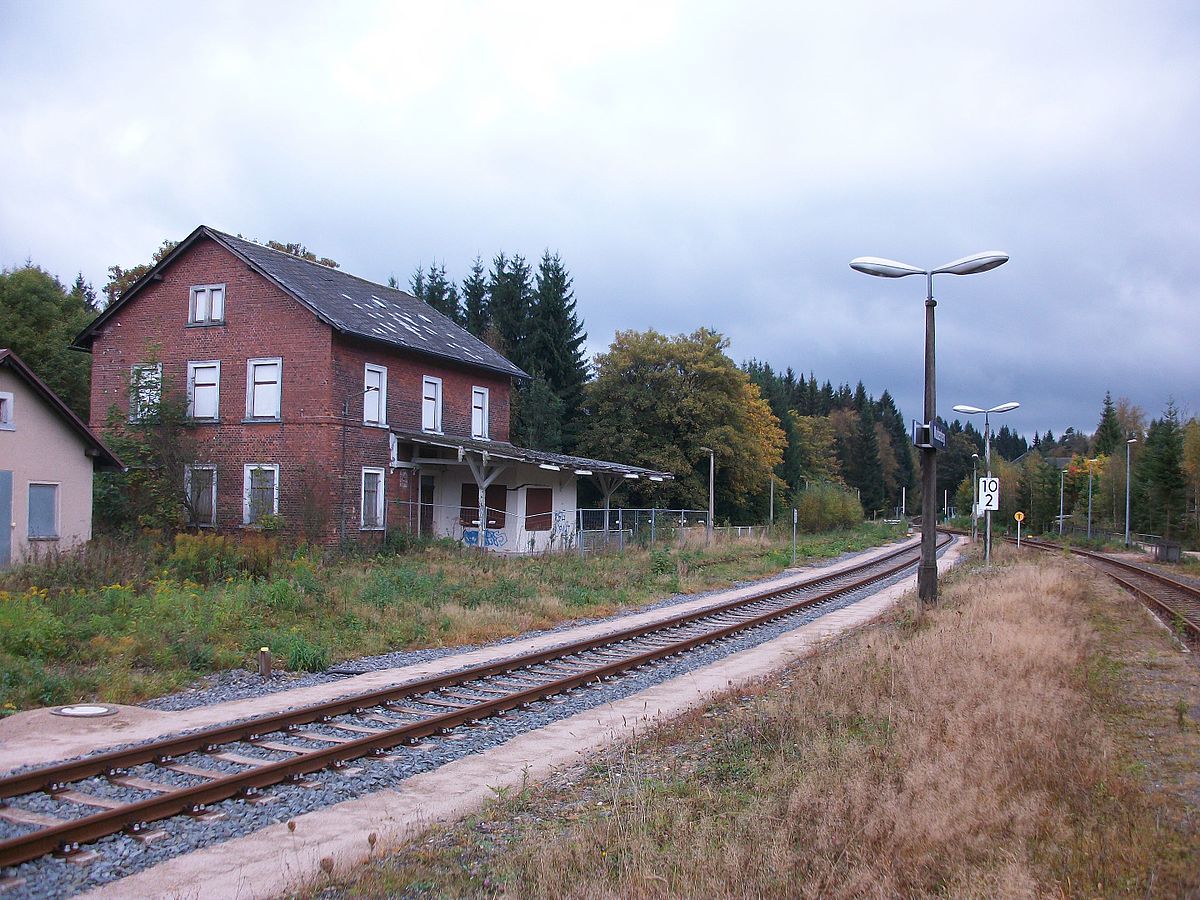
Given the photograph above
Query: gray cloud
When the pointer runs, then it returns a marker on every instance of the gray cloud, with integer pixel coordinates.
(695, 164)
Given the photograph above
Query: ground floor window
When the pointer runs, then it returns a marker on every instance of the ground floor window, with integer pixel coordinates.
(538, 504)
(200, 483)
(496, 499)
(372, 499)
(260, 492)
(43, 511)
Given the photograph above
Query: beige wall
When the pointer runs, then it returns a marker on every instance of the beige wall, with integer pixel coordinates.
(43, 448)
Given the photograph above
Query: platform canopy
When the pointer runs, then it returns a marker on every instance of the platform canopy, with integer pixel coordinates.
(510, 453)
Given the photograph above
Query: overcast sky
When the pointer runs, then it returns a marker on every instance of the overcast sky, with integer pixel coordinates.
(696, 164)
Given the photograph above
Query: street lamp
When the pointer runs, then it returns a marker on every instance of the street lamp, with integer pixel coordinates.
(887, 268)
(1091, 467)
(1128, 446)
(987, 460)
(712, 465)
(974, 498)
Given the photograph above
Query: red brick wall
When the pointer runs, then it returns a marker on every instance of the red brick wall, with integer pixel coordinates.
(313, 442)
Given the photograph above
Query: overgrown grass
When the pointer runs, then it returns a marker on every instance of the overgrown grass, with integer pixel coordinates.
(124, 623)
(993, 751)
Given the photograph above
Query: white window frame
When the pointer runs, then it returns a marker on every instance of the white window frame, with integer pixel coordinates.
(200, 305)
(7, 422)
(379, 499)
(277, 361)
(57, 485)
(137, 392)
(191, 389)
(381, 395)
(482, 431)
(187, 487)
(431, 423)
(246, 470)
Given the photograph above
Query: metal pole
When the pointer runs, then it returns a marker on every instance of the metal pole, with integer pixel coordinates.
(927, 570)
(620, 529)
(1062, 478)
(653, 516)
(1128, 445)
(987, 463)
(794, 518)
(712, 465)
(1089, 499)
(771, 516)
(974, 500)
(580, 513)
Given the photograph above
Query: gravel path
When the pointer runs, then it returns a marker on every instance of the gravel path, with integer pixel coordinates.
(121, 855)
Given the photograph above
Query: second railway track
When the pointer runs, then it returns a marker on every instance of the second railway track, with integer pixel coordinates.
(61, 808)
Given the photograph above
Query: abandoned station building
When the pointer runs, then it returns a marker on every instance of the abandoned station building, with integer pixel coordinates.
(328, 406)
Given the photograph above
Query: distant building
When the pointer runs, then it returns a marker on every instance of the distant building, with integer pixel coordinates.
(47, 458)
(331, 406)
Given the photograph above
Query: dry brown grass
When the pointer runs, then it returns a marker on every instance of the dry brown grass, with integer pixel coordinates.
(986, 753)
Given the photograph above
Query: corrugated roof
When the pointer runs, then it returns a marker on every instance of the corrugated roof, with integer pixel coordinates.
(505, 450)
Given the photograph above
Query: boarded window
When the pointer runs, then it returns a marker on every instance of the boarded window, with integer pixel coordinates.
(538, 503)
(202, 494)
(497, 505)
(43, 510)
(372, 499)
(261, 492)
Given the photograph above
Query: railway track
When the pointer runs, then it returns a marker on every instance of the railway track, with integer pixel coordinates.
(189, 773)
(1178, 602)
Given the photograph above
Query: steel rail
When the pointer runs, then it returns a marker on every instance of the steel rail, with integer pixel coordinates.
(192, 799)
(1102, 561)
(206, 739)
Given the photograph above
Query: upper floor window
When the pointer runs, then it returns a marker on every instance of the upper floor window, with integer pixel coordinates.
(6, 411)
(145, 391)
(479, 412)
(200, 483)
(207, 304)
(204, 389)
(375, 395)
(431, 403)
(264, 382)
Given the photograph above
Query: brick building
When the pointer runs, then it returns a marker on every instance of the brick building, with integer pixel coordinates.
(335, 407)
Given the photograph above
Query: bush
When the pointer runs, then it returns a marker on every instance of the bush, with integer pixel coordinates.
(29, 629)
(205, 558)
(827, 506)
(300, 654)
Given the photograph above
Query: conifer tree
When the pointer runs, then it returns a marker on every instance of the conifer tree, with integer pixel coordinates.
(510, 300)
(555, 343)
(475, 299)
(866, 471)
(438, 291)
(1108, 433)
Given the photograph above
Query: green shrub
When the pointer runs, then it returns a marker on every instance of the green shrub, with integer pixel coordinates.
(825, 506)
(203, 558)
(28, 628)
(298, 653)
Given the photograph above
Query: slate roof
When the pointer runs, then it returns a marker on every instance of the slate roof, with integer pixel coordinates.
(505, 450)
(103, 459)
(347, 303)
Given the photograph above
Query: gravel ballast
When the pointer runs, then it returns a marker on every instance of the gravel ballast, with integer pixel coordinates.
(121, 855)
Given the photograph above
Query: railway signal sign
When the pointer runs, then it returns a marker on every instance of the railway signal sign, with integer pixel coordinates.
(989, 494)
(1020, 516)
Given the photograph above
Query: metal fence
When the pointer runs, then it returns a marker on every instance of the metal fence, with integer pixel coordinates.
(575, 530)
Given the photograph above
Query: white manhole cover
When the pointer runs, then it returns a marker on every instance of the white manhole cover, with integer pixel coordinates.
(84, 711)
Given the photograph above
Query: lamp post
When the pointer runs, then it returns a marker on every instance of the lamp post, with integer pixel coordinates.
(974, 498)
(1128, 446)
(987, 460)
(887, 268)
(1091, 467)
(1062, 478)
(712, 465)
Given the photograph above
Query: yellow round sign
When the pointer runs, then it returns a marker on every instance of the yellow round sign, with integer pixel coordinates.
(1020, 517)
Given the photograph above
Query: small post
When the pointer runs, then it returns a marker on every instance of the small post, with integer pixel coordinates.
(621, 530)
(264, 662)
(580, 532)
(653, 513)
(795, 518)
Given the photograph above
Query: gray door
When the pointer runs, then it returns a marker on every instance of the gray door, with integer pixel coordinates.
(5, 518)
